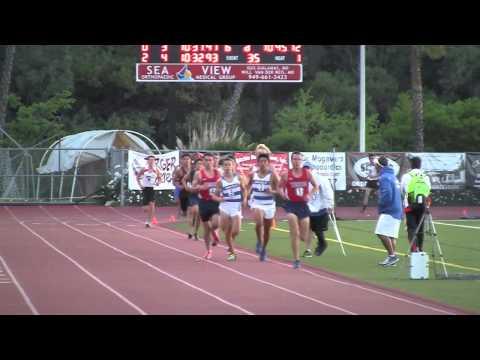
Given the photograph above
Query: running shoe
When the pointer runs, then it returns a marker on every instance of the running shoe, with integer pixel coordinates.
(259, 247)
(296, 264)
(232, 257)
(208, 255)
(390, 261)
(263, 255)
(147, 225)
(320, 249)
(307, 254)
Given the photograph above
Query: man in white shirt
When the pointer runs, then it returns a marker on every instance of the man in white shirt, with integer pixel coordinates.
(372, 181)
(320, 205)
(415, 204)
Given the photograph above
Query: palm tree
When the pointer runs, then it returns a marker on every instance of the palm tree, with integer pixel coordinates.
(416, 54)
(5, 164)
(233, 103)
(5, 83)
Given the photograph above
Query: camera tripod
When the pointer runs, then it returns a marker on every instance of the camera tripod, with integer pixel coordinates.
(430, 233)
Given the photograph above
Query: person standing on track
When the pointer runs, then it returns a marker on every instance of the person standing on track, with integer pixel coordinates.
(147, 179)
(263, 185)
(372, 181)
(178, 175)
(231, 193)
(205, 182)
(415, 187)
(295, 186)
(320, 205)
(390, 210)
(193, 200)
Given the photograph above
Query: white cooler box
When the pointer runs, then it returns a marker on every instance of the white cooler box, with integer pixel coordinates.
(419, 266)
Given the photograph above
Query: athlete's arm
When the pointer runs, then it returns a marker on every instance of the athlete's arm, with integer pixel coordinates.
(245, 190)
(187, 187)
(218, 192)
(275, 183)
(282, 185)
(314, 184)
(139, 175)
(196, 182)
(176, 180)
(159, 174)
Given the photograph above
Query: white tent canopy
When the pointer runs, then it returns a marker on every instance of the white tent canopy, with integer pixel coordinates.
(87, 147)
(79, 148)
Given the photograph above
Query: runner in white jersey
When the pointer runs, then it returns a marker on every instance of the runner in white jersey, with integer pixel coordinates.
(231, 194)
(262, 188)
(147, 179)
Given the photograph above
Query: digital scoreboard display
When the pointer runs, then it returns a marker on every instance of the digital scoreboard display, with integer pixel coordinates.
(220, 63)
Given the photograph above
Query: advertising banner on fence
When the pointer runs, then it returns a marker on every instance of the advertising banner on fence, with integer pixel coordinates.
(446, 171)
(358, 165)
(166, 163)
(247, 160)
(473, 170)
(330, 165)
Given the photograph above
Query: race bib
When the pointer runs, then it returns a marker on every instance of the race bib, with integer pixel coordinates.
(299, 191)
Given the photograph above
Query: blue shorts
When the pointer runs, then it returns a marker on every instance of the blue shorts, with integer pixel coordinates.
(300, 209)
(176, 193)
(193, 200)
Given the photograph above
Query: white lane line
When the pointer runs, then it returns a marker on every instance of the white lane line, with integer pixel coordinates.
(154, 267)
(120, 296)
(227, 268)
(27, 300)
(456, 225)
(346, 283)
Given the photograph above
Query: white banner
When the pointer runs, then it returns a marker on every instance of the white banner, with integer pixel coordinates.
(330, 165)
(166, 163)
(446, 170)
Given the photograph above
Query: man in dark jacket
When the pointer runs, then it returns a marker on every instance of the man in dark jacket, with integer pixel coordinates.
(390, 211)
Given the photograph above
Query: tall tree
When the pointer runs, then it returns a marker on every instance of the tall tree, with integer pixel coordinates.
(5, 161)
(5, 82)
(233, 103)
(416, 54)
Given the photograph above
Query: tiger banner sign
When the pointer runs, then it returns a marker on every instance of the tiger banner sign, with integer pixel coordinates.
(166, 164)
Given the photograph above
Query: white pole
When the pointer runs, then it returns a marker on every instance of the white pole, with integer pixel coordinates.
(362, 99)
(333, 220)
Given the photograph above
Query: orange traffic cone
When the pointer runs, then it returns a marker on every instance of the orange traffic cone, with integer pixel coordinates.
(154, 221)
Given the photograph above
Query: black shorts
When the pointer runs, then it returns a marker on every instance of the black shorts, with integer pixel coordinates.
(148, 195)
(300, 209)
(319, 223)
(184, 200)
(207, 209)
(414, 217)
(372, 184)
(193, 200)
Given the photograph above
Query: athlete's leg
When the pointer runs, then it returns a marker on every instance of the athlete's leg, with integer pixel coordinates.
(365, 198)
(151, 212)
(259, 218)
(236, 222)
(304, 225)
(294, 235)
(196, 220)
(267, 228)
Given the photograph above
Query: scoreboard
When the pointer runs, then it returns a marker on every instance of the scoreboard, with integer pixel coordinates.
(220, 63)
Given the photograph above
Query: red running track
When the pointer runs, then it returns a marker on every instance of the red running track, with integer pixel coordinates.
(97, 260)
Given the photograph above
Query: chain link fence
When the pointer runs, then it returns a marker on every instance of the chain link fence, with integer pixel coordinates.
(100, 176)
